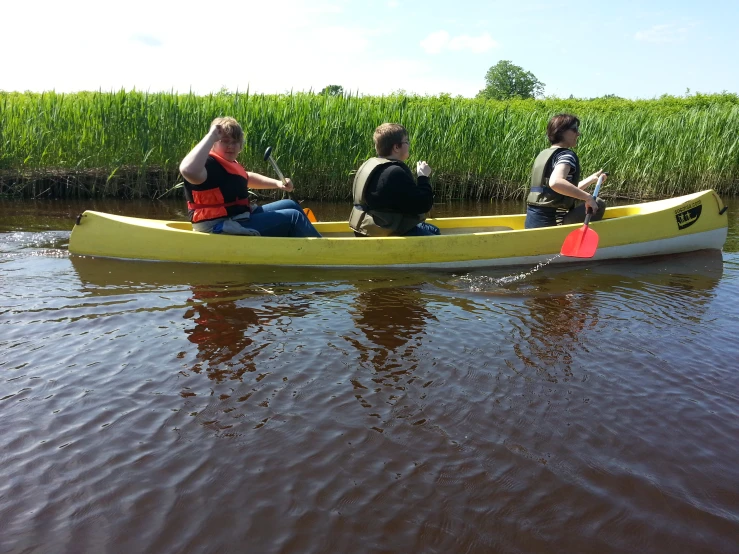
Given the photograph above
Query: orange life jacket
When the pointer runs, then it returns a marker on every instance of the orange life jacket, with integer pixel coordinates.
(224, 193)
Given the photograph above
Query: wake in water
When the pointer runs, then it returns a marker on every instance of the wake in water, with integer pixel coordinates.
(19, 244)
(521, 276)
(482, 283)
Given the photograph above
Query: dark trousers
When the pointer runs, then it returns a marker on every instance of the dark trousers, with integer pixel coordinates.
(423, 229)
(537, 216)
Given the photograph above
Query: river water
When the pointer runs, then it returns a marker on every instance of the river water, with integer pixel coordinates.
(179, 408)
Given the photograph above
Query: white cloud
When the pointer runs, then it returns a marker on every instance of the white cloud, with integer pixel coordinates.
(435, 42)
(392, 4)
(440, 41)
(289, 45)
(663, 34)
(146, 40)
(477, 45)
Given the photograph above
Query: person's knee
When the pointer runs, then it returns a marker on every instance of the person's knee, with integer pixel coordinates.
(296, 215)
(601, 209)
(230, 227)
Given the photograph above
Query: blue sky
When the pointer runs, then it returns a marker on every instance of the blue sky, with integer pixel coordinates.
(635, 49)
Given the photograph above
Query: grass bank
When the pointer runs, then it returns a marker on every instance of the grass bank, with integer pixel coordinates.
(129, 144)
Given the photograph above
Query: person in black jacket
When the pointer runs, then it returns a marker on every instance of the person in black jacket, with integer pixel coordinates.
(388, 201)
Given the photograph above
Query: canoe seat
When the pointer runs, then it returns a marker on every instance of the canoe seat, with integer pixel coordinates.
(449, 231)
(468, 230)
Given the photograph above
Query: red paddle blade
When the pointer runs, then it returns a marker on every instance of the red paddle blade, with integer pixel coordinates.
(308, 212)
(580, 243)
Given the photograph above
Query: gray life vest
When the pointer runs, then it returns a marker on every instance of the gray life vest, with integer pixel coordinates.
(541, 194)
(376, 223)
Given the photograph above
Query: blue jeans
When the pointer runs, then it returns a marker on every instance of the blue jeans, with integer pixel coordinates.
(423, 229)
(284, 218)
(537, 216)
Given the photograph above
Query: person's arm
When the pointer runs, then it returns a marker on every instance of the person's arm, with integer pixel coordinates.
(558, 183)
(397, 191)
(258, 181)
(192, 166)
(592, 179)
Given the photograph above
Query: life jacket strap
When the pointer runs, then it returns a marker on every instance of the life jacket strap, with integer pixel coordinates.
(239, 202)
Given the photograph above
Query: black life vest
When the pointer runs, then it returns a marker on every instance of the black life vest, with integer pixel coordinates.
(377, 223)
(541, 194)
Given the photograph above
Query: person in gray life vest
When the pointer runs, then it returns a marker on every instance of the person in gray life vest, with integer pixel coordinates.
(387, 199)
(557, 195)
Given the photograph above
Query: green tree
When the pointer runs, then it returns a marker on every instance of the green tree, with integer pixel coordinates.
(333, 90)
(506, 80)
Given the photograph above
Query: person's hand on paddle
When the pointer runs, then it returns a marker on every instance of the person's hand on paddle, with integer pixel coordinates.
(594, 177)
(423, 169)
(287, 186)
(591, 206)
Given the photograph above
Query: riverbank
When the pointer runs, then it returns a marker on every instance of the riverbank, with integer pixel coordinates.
(129, 144)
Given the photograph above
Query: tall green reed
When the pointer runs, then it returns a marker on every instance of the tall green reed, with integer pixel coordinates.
(130, 143)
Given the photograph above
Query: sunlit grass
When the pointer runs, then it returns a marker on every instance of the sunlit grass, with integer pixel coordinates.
(130, 143)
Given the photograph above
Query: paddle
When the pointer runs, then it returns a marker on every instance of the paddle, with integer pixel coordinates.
(583, 242)
(268, 157)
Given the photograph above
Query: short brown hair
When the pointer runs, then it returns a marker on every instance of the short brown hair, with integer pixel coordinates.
(559, 124)
(231, 127)
(386, 136)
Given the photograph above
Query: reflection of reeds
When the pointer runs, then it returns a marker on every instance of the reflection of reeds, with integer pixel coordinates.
(130, 143)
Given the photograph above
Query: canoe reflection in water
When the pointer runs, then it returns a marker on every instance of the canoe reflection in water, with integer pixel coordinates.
(235, 323)
(555, 330)
(563, 323)
(392, 321)
(236, 329)
(225, 330)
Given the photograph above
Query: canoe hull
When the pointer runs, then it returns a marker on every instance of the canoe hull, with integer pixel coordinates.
(683, 224)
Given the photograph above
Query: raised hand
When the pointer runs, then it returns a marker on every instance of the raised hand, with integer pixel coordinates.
(422, 168)
(217, 132)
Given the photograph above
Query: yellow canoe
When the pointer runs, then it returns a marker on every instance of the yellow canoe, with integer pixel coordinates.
(684, 224)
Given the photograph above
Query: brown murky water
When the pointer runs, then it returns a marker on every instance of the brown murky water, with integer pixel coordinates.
(166, 408)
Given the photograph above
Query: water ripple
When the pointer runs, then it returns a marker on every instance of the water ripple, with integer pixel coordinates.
(149, 408)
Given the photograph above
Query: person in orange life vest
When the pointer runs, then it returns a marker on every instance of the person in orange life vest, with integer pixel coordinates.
(216, 188)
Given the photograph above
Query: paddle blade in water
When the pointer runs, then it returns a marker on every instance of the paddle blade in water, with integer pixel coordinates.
(308, 212)
(580, 243)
